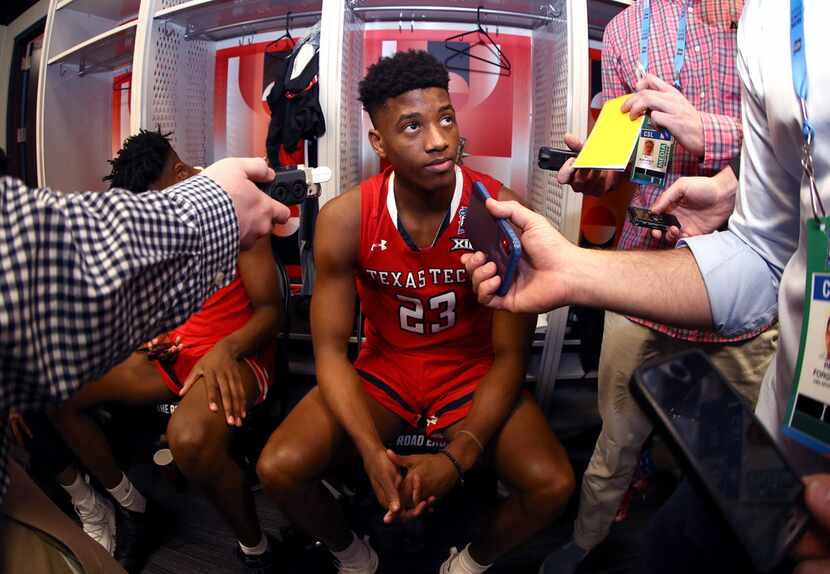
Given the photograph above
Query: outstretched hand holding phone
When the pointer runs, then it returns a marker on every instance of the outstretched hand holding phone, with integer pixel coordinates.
(536, 287)
(701, 204)
(588, 181)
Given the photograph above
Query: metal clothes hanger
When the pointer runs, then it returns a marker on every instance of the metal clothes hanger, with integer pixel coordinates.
(285, 36)
(499, 59)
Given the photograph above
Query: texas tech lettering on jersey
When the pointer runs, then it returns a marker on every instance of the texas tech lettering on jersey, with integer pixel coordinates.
(418, 279)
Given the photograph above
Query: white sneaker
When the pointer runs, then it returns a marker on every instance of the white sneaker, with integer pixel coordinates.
(98, 521)
(446, 567)
(369, 568)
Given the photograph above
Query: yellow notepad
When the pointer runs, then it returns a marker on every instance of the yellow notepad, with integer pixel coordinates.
(612, 141)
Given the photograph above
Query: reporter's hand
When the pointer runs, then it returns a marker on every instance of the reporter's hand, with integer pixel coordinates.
(701, 204)
(669, 109)
(223, 381)
(813, 550)
(428, 478)
(538, 285)
(588, 181)
(386, 480)
(257, 213)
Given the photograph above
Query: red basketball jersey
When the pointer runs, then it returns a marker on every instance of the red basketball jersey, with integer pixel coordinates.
(419, 300)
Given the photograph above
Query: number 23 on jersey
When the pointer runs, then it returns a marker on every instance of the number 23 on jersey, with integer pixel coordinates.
(412, 313)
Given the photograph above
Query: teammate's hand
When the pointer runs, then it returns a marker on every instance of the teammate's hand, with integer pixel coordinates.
(588, 181)
(223, 380)
(428, 478)
(386, 480)
(668, 109)
(19, 427)
(163, 348)
(538, 286)
(701, 204)
(813, 550)
(257, 213)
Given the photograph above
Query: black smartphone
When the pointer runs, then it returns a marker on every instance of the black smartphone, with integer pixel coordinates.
(493, 237)
(552, 159)
(727, 452)
(645, 218)
(290, 187)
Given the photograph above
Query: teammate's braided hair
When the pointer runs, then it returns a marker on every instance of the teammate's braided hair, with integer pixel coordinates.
(394, 75)
(140, 161)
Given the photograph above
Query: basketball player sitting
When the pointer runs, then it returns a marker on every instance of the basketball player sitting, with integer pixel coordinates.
(218, 362)
(432, 357)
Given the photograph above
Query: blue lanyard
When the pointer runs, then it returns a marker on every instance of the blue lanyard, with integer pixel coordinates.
(799, 63)
(799, 66)
(680, 51)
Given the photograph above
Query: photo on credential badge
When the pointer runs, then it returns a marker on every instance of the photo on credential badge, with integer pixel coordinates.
(652, 156)
(810, 413)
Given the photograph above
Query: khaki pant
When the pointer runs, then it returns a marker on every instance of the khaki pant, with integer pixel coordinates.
(625, 346)
(37, 538)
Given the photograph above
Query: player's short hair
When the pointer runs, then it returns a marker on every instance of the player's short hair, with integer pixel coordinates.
(140, 161)
(394, 75)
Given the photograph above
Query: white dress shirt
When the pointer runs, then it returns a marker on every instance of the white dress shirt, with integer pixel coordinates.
(757, 267)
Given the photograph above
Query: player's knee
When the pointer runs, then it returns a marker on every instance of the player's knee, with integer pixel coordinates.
(552, 488)
(193, 451)
(561, 488)
(280, 468)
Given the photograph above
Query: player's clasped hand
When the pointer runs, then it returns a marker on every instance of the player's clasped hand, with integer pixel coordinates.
(428, 478)
(386, 481)
(407, 486)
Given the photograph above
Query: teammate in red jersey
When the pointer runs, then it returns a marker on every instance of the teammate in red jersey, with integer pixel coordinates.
(218, 362)
(432, 357)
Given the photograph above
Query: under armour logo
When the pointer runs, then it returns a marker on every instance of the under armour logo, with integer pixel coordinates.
(381, 245)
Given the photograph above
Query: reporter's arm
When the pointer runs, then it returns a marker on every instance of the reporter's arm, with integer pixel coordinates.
(670, 286)
(661, 286)
(118, 267)
(741, 286)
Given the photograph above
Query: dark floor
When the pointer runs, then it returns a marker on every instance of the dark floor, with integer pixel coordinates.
(196, 540)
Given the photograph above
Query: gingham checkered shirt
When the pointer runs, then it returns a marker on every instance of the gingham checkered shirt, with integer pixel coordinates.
(709, 80)
(87, 277)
